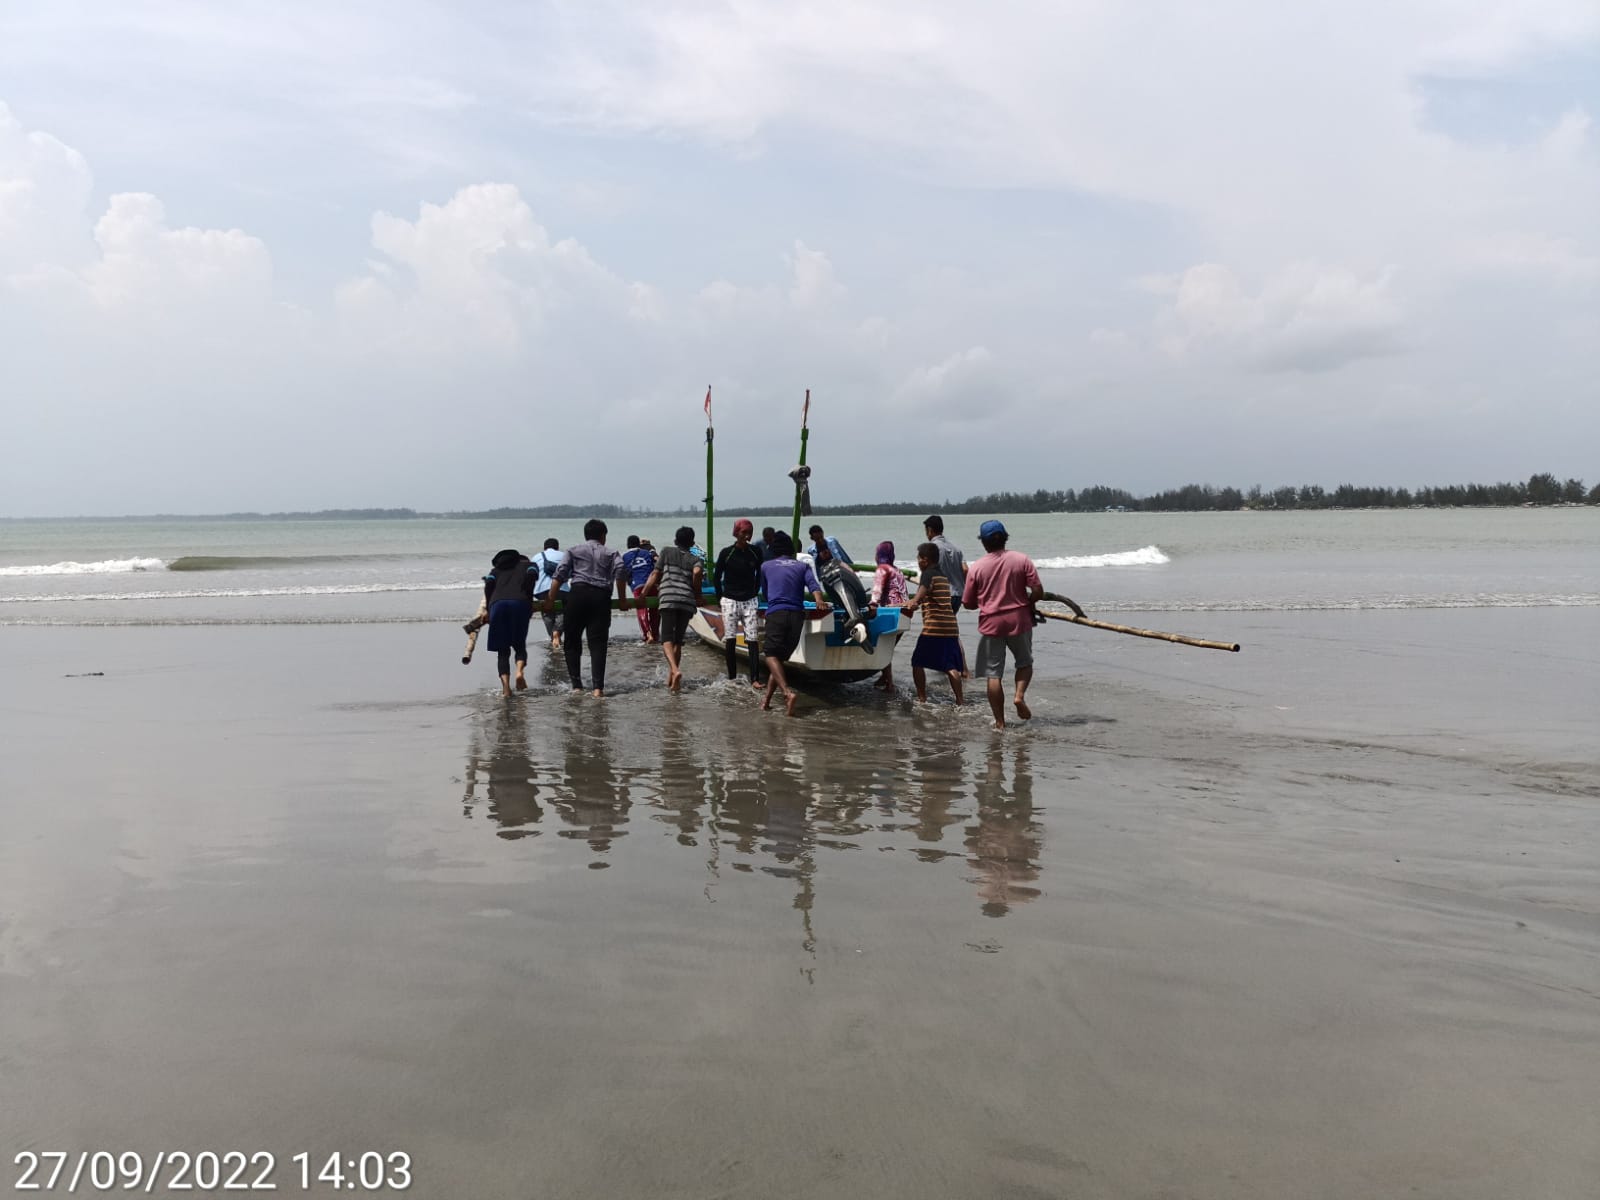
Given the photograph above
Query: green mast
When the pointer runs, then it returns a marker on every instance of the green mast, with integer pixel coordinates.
(799, 484)
(710, 438)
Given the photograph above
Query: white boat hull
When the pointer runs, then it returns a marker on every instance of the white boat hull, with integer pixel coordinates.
(822, 654)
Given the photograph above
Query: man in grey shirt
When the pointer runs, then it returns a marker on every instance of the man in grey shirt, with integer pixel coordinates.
(592, 568)
(953, 566)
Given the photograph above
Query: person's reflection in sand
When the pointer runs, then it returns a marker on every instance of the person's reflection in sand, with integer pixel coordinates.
(764, 811)
(591, 798)
(500, 767)
(1005, 844)
(680, 785)
(938, 769)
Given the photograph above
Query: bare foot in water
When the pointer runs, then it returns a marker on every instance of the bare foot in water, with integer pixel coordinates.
(522, 684)
(1023, 711)
(674, 680)
(789, 699)
(599, 693)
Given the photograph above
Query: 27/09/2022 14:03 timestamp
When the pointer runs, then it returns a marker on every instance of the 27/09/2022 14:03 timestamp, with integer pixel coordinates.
(89, 1171)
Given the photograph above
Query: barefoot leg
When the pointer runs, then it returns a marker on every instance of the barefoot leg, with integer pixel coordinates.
(1024, 677)
(775, 680)
(997, 701)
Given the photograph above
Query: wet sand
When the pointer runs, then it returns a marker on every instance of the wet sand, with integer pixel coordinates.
(1314, 924)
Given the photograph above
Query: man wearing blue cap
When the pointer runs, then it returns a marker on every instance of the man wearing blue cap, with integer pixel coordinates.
(1003, 586)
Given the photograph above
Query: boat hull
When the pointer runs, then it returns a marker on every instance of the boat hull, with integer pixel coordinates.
(824, 653)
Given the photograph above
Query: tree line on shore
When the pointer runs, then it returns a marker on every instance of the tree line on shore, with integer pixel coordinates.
(1539, 490)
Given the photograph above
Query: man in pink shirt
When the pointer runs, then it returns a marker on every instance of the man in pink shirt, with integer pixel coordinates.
(1003, 586)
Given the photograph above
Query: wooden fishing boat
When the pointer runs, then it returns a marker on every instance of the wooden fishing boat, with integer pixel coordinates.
(846, 645)
(825, 653)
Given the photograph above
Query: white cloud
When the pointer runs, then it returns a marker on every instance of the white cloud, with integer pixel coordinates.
(1304, 318)
(1536, 255)
(814, 283)
(965, 388)
(1267, 173)
(479, 271)
(44, 192)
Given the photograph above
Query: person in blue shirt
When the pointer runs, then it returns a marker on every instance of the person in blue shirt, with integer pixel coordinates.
(821, 542)
(785, 580)
(640, 559)
(544, 569)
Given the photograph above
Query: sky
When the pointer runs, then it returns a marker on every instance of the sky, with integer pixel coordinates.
(279, 256)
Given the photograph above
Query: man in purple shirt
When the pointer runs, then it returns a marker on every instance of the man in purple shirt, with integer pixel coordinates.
(785, 580)
(592, 569)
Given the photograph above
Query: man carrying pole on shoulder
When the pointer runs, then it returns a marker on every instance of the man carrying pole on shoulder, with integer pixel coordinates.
(1003, 586)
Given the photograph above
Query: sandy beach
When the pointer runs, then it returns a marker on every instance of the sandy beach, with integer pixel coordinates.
(314, 889)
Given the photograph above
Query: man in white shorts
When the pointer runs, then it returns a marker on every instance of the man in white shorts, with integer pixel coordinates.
(737, 581)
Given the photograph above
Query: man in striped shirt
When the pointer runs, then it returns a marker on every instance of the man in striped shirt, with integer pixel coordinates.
(939, 645)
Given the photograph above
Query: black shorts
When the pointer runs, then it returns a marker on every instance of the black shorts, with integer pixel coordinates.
(675, 624)
(783, 633)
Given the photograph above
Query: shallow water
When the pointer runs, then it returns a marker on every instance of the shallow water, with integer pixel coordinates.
(1317, 919)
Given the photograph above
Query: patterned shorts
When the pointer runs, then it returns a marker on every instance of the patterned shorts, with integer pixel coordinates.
(741, 616)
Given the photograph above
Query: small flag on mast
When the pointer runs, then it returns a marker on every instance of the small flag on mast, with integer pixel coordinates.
(708, 404)
(806, 411)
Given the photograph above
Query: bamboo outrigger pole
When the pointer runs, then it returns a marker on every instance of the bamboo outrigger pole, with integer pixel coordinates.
(800, 484)
(1077, 618)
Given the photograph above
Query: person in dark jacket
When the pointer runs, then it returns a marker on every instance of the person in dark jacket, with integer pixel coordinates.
(737, 581)
(508, 591)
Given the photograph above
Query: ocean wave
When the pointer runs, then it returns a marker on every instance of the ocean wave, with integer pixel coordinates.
(256, 562)
(1146, 556)
(224, 622)
(208, 562)
(337, 589)
(109, 566)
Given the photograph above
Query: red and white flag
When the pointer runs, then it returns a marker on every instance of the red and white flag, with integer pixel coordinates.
(708, 405)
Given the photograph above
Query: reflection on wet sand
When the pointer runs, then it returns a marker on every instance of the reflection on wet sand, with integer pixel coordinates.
(590, 793)
(748, 800)
(500, 766)
(1006, 843)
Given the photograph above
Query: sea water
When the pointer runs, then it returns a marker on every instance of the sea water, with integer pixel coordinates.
(1317, 918)
(253, 571)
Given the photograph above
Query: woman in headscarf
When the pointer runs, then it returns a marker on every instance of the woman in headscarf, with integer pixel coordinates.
(888, 589)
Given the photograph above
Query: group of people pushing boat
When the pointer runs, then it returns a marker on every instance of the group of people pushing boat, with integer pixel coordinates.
(762, 589)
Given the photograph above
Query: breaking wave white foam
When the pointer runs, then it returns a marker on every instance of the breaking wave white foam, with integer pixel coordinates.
(358, 589)
(109, 566)
(1146, 556)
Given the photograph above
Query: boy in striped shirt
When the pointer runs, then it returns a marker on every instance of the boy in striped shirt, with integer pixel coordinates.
(939, 645)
